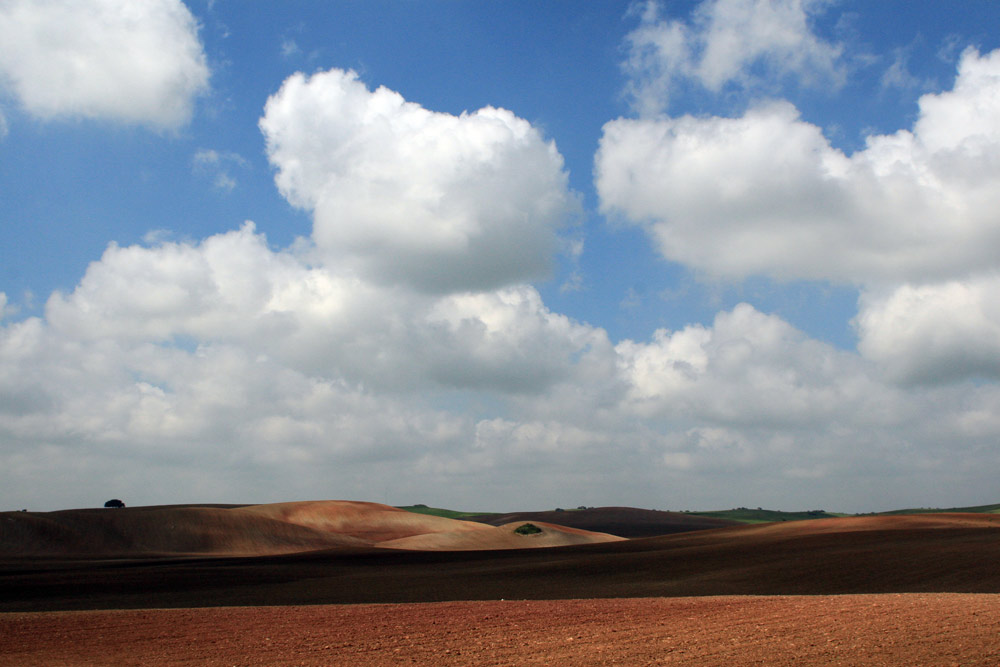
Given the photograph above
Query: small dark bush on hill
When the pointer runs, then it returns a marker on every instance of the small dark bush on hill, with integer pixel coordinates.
(114, 502)
(528, 529)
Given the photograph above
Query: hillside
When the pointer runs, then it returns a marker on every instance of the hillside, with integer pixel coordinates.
(874, 554)
(254, 530)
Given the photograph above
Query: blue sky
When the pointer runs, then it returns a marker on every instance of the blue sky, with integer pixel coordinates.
(500, 254)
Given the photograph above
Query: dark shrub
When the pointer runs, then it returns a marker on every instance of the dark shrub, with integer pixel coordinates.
(528, 529)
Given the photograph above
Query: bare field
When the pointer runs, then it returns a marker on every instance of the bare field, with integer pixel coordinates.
(899, 590)
(892, 629)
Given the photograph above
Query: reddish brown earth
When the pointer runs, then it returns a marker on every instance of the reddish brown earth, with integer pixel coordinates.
(914, 629)
(811, 592)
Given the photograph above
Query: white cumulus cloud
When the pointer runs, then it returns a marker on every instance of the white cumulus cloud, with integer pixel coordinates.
(135, 62)
(909, 219)
(404, 195)
(934, 332)
(226, 366)
(766, 194)
(721, 44)
(231, 288)
(747, 369)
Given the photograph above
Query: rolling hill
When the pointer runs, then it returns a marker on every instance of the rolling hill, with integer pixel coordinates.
(872, 554)
(256, 530)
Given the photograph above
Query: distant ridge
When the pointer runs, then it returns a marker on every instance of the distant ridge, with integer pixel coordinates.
(624, 521)
(978, 509)
(634, 522)
(760, 515)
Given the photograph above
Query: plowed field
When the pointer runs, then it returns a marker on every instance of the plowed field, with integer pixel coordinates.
(908, 629)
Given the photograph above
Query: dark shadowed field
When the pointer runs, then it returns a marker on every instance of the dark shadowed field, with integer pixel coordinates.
(624, 521)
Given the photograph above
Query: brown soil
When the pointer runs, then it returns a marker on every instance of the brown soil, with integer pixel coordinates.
(915, 629)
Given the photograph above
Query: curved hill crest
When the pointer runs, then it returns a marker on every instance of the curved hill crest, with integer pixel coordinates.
(256, 530)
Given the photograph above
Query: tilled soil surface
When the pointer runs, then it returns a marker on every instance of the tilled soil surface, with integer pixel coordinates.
(888, 629)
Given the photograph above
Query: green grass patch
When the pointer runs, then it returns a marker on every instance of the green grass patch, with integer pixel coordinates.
(437, 511)
(747, 515)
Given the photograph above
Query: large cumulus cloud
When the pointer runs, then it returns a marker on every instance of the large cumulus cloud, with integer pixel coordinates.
(222, 363)
(233, 289)
(157, 362)
(135, 62)
(766, 194)
(404, 195)
(747, 367)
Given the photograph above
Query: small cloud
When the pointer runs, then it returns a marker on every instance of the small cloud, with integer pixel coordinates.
(206, 156)
(217, 166)
(3, 125)
(679, 291)
(290, 48)
(574, 283)
(725, 43)
(576, 248)
(951, 49)
(224, 181)
(898, 76)
(632, 299)
(156, 236)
